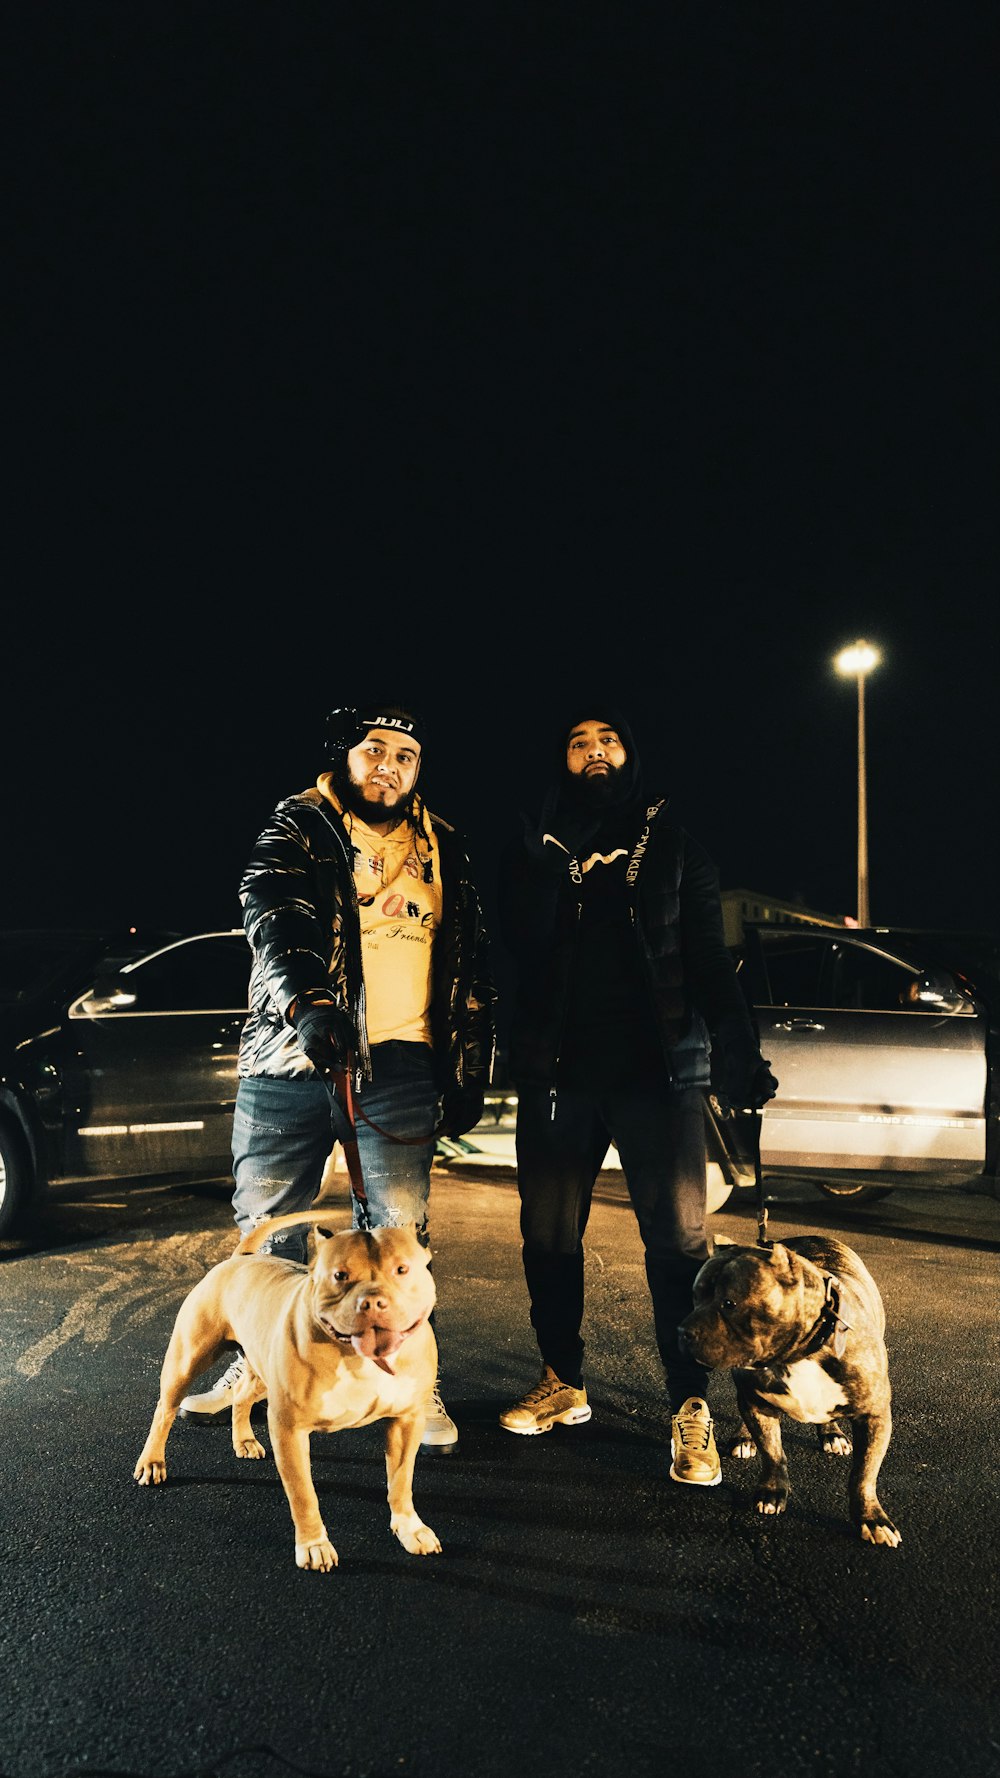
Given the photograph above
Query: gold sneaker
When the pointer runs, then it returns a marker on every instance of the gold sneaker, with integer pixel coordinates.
(551, 1402)
(692, 1445)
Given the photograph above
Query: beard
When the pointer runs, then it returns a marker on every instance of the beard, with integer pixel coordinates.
(596, 791)
(368, 808)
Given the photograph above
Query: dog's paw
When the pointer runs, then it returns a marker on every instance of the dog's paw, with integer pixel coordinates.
(248, 1447)
(319, 1554)
(149, 1473)
(880, 1529)
(743, 1446)
(833, 1440)
(772, 1502)
(416, 1538)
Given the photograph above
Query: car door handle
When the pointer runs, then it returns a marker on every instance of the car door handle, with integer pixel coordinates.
(797, 1025)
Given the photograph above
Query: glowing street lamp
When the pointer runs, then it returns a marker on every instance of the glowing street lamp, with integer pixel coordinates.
(854, 663)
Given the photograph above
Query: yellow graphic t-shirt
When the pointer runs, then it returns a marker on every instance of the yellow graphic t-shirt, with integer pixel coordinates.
(399, 895)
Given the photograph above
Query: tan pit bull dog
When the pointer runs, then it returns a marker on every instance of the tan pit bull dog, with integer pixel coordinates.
(340, 1344)
(802, 1326)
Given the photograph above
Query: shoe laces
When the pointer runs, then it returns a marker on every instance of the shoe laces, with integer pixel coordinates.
(694, 1430)
(545, 1387)
(437, 1405)
(231, 1377)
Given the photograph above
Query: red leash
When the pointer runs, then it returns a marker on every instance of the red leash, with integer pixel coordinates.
(341, 1077)
(340, 1086)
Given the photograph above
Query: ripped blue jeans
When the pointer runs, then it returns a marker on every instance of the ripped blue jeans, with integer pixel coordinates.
(284, 1130)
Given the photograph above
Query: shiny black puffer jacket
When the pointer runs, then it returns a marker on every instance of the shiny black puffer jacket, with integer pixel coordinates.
(300, 913)
(698, 1004)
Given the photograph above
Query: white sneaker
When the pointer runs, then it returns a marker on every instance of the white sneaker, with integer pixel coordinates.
(440, 1432)
(216, 1403)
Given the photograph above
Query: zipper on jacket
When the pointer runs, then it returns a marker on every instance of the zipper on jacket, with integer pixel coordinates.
(562, 1023)
(454, 904)
(363, 1069)
(644, 966)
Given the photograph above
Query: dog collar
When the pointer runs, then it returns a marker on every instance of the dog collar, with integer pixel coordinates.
(831, 1328)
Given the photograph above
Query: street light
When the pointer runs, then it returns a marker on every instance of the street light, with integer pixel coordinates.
(854, 663)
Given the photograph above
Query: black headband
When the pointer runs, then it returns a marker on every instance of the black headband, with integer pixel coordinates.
(350, 723)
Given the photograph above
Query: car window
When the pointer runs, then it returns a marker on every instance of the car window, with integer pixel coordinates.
(861, 978)
(793, 962)
(200, 975)
(32, 961)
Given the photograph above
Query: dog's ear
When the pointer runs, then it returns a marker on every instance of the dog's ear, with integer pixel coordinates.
(391, 1232)
(790, 1268)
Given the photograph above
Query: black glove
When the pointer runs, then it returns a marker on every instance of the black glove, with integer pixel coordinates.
(461, 1110)
(325, 1032)
(748, 1085)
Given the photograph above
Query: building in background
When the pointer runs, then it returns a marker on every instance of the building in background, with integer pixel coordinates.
(750, 904)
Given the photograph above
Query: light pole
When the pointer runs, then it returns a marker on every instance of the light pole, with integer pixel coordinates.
(854, 663)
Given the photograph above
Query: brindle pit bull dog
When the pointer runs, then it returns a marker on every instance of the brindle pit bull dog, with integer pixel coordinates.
(340, 1344)
(802, 1326)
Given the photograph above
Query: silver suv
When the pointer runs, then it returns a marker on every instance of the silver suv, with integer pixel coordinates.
(886, 1047)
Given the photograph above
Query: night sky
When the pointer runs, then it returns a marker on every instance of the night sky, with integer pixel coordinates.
(485, 357)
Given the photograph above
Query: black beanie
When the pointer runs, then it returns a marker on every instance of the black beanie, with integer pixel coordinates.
(349, 724)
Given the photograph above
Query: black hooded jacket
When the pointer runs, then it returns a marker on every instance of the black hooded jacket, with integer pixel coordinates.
(300, 912)
(621, 969)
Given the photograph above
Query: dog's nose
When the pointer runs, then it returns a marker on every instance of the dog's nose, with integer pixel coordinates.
(372, 1300)
(683, 1341)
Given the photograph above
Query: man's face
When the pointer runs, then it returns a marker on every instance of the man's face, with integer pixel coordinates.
(382, 770)
(594, 752)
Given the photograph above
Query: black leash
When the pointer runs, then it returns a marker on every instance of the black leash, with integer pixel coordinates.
(762, 1240)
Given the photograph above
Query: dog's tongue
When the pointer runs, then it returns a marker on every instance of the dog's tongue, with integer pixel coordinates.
(377, 1343)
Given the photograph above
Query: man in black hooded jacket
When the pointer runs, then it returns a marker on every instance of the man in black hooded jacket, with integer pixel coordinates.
(370, 953)
(624, 991)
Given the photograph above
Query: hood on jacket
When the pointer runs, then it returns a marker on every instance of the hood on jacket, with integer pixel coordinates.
(565, 788)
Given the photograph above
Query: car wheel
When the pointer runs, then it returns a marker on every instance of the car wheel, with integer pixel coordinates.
(855, 1194)
(719, 1188)
(15, 1177)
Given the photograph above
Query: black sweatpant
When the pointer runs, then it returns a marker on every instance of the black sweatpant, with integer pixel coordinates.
(660, 1136)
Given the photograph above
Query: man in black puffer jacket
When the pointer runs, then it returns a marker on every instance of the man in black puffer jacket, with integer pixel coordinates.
(627, 1008)
(369, 953)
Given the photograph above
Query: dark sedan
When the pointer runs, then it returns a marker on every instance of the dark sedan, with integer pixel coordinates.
(118, 1058)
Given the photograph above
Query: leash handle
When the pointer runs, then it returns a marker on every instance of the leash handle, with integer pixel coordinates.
(409, 1141)
(346, 1075)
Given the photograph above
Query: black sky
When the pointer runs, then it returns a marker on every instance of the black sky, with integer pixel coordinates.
(488, 355)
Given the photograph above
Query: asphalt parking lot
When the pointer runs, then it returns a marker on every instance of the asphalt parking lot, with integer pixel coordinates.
(585, 1611)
